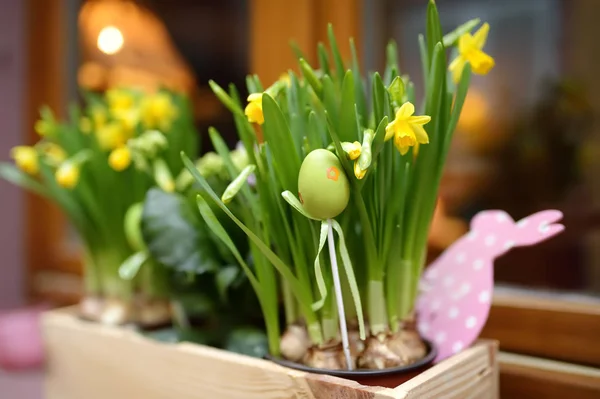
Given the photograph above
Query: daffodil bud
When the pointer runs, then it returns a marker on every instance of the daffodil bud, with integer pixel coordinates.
(364, 160)
(67, 174)
(54, 153)
(120, 158)
(46, 126)
(253, 110)
(236, 185)
(210, 164)
(158, 111)
(352, 150)
(149, 143)
(162, 175)
(239, 157)
(26, 159)
(396, 91)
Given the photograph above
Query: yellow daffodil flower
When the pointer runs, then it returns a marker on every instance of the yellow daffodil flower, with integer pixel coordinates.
(120, 158)
(67, 175)
(158, 112)
(112, 135)
(285, 78)
(254, 110)
(99, 117)
(44, 128)
(351, 149)
(406, 129)
(26, 159)
(119, 100)
(85, 125)
(54, 153)
(470, 49)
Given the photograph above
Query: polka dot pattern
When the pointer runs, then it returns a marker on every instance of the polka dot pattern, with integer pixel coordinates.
(460, 282)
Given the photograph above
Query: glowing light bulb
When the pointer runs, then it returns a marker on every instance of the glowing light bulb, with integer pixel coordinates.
(110, 40)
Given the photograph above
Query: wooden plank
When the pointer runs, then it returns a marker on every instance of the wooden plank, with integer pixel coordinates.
(472, 373)
(120, 363)
(560, 327)
(528, 377)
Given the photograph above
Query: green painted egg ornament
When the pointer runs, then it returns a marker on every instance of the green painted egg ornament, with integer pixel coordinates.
(323, 187)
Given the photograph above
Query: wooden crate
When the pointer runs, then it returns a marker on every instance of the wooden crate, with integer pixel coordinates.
(87, 360)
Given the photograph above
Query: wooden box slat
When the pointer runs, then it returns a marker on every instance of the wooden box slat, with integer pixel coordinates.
(87, 360)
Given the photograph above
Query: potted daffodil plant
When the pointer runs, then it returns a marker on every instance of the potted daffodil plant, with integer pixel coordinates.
(344, 188)
(97, 167)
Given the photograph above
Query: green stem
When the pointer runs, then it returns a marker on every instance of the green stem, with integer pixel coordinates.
(289, 303)
(376, 304)
(397, 288)
(91, 276)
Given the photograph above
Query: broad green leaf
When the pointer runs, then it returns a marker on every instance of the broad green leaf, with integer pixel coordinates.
(424, 58)
(338, 148)
(391, 62)
(248, 341)
(331, 99)
(314, 134)
(461, 95)
(301, 293)
(451, 38)
(378, 142)
(131, 266)
(174, 235)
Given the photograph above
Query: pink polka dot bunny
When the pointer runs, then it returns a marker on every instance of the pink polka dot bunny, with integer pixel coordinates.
(456, 289)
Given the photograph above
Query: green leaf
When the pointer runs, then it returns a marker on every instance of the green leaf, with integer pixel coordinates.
(16, 176)
(337, 57)
(451, 38)
(131, 266)
(224, 278)
(322, 287)
(359, 89)
(296, 49)
(391, 64)
(424, 58)
(434, 28)
(379, 98)
(293, 201)
(226, 99)
(248, 341)
(174, 235)
(278, 136)
(314, 133)
(311, 77)
(331, 98)
(379, 140)
(301, 293)
(346, 128)
(323, 58)
(133, 226)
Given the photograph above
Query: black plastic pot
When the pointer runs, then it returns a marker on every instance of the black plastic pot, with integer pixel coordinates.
(389, 378)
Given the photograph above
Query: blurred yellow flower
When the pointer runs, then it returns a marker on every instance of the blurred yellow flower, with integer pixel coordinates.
(112, 135)
(285, 78)
(470, 49)
(44, 128)
(56, 155)
(158, 111)
(85, 125)
(26, 159)
(120, 158)
(254, 110)
(99, 117)
(67, 175)
(406, 129)
(119, 100)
